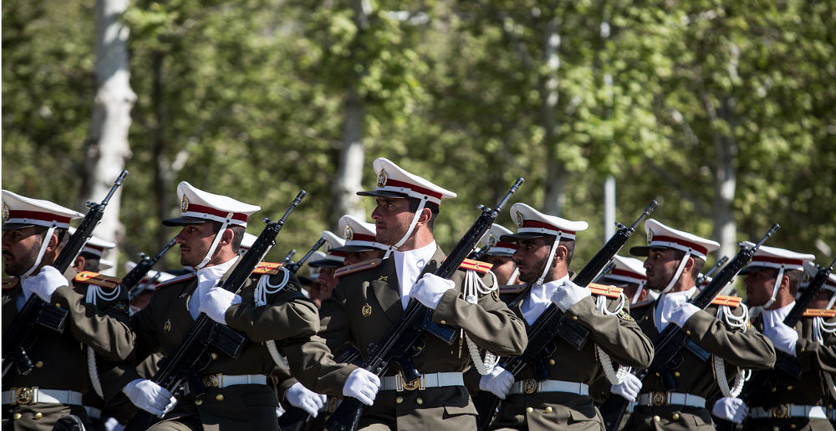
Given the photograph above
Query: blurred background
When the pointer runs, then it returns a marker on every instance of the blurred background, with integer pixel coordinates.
(725, 112)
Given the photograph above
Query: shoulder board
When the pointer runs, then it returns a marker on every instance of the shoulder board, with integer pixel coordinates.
(176, 280)
(94, 278)
(476, 265)
(817, 312)
(357, 267)
(9, 283)
(605, 290)
(730, 301)
(270, 268)
(511, 289)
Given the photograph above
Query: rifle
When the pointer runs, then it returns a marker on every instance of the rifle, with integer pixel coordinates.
(702, 278)
(194, 352)
(397, 346)
(670, 342)
(762, 381)
(293, 267)
(23, 332)
(131, 280)
(288, 257)
(553, 323)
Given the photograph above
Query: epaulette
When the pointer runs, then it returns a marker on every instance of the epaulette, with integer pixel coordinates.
(94, 278)
(730, 301)
(476, 265)
(819, 312)
(357, 267)
(511, 289)
(605, 290)
(270, 268)
(176, 280)
(9, 283)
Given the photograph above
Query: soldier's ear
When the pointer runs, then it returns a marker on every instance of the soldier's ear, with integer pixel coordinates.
(227, 236)
(53, 243)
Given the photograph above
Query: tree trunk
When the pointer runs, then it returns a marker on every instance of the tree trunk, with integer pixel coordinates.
(555, 187)
(725, 183)
(108, 146)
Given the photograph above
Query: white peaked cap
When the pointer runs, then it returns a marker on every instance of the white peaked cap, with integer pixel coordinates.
(359, 236)
(627, 270)
(774, 257)
(394, 182)
(661, 236)
(198, 206)
(20, 212)
(163, 276)
(532, 224)
(96, 246)
(811, 269)
(248, 241)
(492, 237)
(332, 259)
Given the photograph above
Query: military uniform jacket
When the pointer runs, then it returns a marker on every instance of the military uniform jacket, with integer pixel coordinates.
(738, 348)
(618, 335)
(61, 359)
(288, 317)
(810, 389)
(363, 308)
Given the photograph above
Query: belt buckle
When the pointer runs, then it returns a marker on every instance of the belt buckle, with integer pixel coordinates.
(529, 386)
(23, 395)
(660, 398)
(781, 411)
(212, 381)
(402, 385)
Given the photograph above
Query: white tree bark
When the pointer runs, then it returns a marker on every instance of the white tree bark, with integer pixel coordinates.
(556, 177)
(108, 146)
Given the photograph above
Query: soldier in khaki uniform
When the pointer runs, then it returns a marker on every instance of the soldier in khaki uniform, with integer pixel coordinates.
(674, 260)
(772, 280)
(34, 232)
(368, 301)
(269, 307)
(545, 246)
(500, 256)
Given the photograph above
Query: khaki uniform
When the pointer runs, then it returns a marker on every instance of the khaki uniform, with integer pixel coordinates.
(810, 390)
(749, 349)
(288, 317)
(617, 334)
(61, 359)
(363, 308)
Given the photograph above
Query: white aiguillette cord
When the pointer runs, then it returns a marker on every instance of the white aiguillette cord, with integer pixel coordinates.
(473, 289)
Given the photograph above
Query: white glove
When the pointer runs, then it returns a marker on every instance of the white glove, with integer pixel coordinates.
(681, 314)
(430, 288)
(568, 294)
(215, 303)
(629, 388)
(47, 282)
(730, 409)
(783, 337)
(363, 385)
(150, 396)
(307, 400)
(497, 382)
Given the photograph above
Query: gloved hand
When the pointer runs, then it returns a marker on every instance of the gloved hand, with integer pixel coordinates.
(307, 400)
(47, 282)
(730, 409)
(568, 294)
(150, 397)
(363, 385)
(783, 337)
(629, 388)
(215, 303)
(681, 314)
(430, 288)
(497, 382)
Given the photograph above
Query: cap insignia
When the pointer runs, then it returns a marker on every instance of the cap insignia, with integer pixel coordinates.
(184, 204)
(491, 239)
(5, 212)
(348, 234)
(649, 236)
(382, 178)
(520, 220)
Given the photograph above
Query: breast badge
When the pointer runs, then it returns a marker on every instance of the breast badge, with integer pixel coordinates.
(167, 326)
(366, 310)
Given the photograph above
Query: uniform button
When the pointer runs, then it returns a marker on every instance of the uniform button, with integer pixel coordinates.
(675, 416)
(219, 397)
(198, 402)
(656, 418)
(549, 409)
(443, 322)
(658, 374)
(776, 428)
(399, 400)
(793, 426)
(574, 317)
(214, 356)
(789, 388)
(39, 364)
(687, 332)
(774, 389)
(529, 409)
(38, 415)
(419, 401)
(551, 361)
(16, 416)
(58, 305)
(676, 373)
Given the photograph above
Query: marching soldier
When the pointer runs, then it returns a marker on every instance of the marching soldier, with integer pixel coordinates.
(545, 247)
(360, 243)
(268, 307)
(629, 274)
(34, 233)
(673, 261)
(366, 303)
(325, 281)
(500, 256)
(772, 281)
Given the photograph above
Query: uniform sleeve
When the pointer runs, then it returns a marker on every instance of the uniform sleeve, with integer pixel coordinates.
(617, 334)
(313, 365)
(814, 356)
(291, 315)
(489, 322)
(107, 331)
(744, 349)
(284, 380)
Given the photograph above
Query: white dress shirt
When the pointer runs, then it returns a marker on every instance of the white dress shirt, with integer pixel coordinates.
(776, 316)
(408, 266)
(539, 298)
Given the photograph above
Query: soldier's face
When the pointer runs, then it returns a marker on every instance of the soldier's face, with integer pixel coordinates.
(391, 219)
(20, 250)
(530, 257)
(503, 267)
(759, 286)
(361, 256)
(194, 241)
(661, 264)
(821, 300)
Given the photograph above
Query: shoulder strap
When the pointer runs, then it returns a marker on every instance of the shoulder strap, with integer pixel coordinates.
(476, 265)
(729, 301)
(605, 290)
(357, 267)
(94, 278)
(818, 312)
(270, 268)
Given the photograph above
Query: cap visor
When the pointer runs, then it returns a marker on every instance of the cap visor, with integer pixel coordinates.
(326, 263)
(641, 250)
(353, 249)
(518, 236)
(182, 221)
(305, 280)
(503, 254)
(14, 226)
(382, 194)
